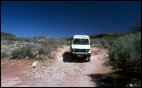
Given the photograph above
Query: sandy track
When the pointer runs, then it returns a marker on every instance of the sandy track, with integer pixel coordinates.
(60, 72)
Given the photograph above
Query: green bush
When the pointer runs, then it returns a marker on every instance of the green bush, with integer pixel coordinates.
(125, 53)
(3, 54)
(22, 52)
(48, 47)
(44, 52)
(52, 43)
(100, 42)
(67, 42)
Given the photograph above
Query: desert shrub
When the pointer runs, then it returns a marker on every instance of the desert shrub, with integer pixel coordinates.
(45, 47)
(67, 42)
(57, 43)
(48, 47)
(44, 52)
(22, 52)
(52, 43)
(60, 42)
(125, 54)
(3, 54)
(100, 42)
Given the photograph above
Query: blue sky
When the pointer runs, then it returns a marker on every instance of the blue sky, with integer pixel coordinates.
(64, 19)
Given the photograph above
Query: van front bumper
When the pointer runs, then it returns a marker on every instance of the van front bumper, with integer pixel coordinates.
(81, 54)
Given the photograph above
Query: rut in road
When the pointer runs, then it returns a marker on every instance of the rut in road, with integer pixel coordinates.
(70, 74)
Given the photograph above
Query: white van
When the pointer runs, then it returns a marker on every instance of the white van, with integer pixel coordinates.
(80, 46)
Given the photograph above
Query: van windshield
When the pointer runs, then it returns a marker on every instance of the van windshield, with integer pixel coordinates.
(81, 41)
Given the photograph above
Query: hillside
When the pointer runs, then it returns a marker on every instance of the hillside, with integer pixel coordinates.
(7, 35)
(103, 35)
(111, 34)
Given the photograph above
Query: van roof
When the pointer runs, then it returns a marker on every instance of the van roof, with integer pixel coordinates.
(81, 36)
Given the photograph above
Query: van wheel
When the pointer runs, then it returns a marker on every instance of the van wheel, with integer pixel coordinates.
(72, 57)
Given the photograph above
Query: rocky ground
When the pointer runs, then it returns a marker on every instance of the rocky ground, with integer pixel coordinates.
(58, 72)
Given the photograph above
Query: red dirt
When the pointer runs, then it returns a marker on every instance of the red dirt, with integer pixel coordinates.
(53, 73)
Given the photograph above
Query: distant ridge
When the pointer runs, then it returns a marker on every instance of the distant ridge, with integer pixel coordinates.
(110, 34)
(7, 35)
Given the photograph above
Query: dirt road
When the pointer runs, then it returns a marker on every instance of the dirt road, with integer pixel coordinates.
(60, 72)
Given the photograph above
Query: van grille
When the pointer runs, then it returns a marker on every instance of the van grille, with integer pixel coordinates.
(81, 50)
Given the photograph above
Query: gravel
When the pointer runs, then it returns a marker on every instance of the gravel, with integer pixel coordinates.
(63, 73)
(55, 72)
